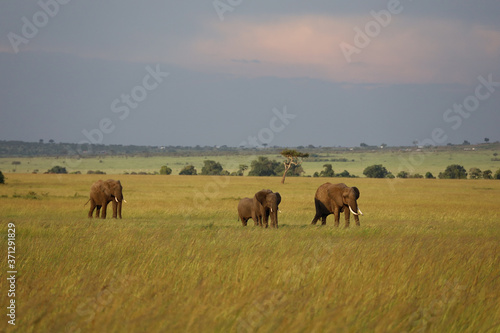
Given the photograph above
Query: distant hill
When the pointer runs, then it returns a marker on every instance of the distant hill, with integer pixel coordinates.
(52, 149)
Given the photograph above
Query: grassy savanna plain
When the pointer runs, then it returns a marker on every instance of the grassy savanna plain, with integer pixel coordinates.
(425, 259)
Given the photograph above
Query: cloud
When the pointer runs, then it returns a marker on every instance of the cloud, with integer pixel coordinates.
(408, 50)
(245, 61)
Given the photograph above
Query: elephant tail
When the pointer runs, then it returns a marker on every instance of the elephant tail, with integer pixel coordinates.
(86, 203)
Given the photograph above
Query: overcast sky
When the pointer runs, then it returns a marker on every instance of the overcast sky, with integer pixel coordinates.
(240, 72)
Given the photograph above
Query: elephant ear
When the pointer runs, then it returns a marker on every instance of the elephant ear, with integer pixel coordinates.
(278, 198)
(261, 196)
(345, 194)
(356, 192)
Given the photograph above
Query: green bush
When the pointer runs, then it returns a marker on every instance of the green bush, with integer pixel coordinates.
(475, 173)
(403, 174)
(2, 178)
(429, 175)
(57, 169)
(376, 171)
(328, 172)
(453, 171)
(263, 166)
(96, 172)
(211, 168)
(188, 170)
(165, 170)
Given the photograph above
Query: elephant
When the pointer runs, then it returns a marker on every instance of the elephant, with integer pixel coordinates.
(334, 199)
(245, 211)
(265, 204)
(101, 193)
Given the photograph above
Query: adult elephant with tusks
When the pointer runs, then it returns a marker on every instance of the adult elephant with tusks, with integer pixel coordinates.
(265, 205)
(334, 199)
(103, 192)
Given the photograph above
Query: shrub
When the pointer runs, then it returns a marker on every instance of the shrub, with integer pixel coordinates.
(376, 171)
(97, 172)
(487, 174)
(345, 174)
(57, 169)
(328, 172)
(429, 175)
(475, 173)
(165, 170)
(402, 174)
(2, 178)
(453, 171)
(497, 174)
(263, 166)
(188, 170)
(211, 168)
(417, 175)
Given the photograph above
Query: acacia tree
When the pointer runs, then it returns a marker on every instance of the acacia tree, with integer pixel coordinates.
(293, 157)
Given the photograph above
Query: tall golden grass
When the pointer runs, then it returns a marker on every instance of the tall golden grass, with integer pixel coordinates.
(425, 259)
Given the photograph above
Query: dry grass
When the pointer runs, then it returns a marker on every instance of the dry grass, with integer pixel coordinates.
(424, 259)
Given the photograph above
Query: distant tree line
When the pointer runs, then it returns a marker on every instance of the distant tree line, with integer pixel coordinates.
(453, 171)
(328, 172)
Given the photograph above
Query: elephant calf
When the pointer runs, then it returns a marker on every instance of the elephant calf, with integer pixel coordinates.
(263, 205)
(245, 211)
(334, 199)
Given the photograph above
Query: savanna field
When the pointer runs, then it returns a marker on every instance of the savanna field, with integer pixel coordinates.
(425, 259)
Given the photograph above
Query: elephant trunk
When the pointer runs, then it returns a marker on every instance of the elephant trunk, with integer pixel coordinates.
(274, 217)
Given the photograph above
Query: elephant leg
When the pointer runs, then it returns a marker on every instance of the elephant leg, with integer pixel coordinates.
(336, 215)
(104, 208)
(244, 221)
(347, 217)
(323, 220)
(98, 211)
(120, 209)
(115, 209)
(356, 218)
(315, 219)
(92, 208)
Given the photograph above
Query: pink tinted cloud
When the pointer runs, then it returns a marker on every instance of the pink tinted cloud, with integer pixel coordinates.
(406, 51)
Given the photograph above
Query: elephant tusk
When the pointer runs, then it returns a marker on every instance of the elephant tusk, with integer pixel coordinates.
(352, 210)
(279, 210)
(116, 199)
(359, 211)
(124, 200)
(271, 210)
